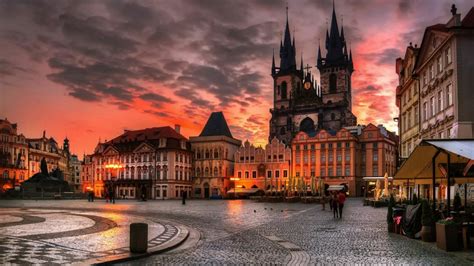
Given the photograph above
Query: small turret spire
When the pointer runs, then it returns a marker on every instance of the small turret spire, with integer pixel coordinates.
(273, 63)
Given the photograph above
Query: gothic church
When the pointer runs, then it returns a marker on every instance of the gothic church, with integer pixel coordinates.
(299, 104)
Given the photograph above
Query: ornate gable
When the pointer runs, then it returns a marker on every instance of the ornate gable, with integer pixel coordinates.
(143, 148)
(110, 150)
(433, 38)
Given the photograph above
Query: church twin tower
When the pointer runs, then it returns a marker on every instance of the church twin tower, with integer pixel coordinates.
(299, 104)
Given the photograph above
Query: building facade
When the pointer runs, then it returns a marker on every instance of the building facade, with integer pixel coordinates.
(213, 151)
(345, 157)
(75, 168)
(299, 104)
(445, 74)
(265, 169)
(408, 102)
(153, 162)
(13, 156)
(87, 174)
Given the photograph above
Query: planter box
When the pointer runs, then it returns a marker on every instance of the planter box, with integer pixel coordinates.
(447, 237)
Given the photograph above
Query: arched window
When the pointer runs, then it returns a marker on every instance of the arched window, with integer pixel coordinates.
(198, 171)
(207, 154)
(139, 172)
(332, 83)
(216, 154)
(284, 90)
(206, 172)
(216, 173)
(198, 154)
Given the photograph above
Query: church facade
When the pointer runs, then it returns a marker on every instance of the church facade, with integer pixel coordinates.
(299, 103)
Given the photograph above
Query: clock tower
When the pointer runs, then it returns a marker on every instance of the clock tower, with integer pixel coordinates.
(299, 104)
(295, 94)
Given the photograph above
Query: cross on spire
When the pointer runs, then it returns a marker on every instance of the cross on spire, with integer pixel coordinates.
(307, 67)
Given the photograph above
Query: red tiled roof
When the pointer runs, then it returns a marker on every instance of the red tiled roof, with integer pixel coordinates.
(153, 133)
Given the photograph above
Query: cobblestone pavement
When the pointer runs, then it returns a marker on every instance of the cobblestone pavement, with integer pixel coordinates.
(42, 236)
(246, 232)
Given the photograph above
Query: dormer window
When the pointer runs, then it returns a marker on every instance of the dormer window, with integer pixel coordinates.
(162, 143)
(183, 144)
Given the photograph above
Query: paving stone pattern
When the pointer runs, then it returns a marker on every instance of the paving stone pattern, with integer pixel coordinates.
(304, 234)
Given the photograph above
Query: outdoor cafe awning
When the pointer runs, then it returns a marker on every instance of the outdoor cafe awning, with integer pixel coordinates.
(418, 166)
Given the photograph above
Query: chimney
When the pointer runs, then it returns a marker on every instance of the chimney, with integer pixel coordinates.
(177, 128)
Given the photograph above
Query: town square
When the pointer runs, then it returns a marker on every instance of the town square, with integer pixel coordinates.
(299, 132)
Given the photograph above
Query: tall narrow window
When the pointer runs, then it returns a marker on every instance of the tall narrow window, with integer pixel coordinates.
(416, 115)
(432, 106)
(284, 89)
(439, 63)
(440, 101)
(449, 95)
(332, 83)
(425, 111)
(448, 56)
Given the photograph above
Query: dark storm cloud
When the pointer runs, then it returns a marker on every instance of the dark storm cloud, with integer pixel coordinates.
(195, 99)
(8, 68)
(156, 99)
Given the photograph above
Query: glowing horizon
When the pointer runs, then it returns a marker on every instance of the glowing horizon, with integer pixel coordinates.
(89, 70)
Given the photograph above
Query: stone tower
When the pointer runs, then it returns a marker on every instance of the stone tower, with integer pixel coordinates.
(335, 73)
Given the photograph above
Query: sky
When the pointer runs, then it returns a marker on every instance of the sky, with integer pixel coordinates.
(90, 69)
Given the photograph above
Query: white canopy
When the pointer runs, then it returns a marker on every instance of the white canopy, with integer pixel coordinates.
(419, 163)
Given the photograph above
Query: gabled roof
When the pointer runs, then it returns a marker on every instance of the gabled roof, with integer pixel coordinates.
(216, 126)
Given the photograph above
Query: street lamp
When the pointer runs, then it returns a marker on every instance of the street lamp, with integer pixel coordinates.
(112, 179)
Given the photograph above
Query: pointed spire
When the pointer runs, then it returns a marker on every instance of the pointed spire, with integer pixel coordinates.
(273, 63)
(319, 63)
(342, 34)
(301, 68)
(287, 49)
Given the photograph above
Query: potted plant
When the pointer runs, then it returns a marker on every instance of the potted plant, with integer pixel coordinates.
(390, 225)
(447, 234)
(427, 222)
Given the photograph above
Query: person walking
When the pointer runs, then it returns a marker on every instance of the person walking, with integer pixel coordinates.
(341, 198)
(334, 206)
(330, 196)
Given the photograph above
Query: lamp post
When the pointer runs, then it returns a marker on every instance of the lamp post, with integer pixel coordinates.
(112, 179)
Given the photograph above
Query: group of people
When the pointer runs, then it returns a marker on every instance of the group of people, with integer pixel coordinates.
(336, 202)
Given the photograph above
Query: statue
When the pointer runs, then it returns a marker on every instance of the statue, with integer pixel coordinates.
(44, 167)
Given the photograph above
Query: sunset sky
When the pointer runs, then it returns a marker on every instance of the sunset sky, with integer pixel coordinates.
(90, 69)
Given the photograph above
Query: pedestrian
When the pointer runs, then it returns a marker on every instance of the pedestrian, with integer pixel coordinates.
(92, 195)
(334, 206)
(112, 194)
(89, 197)
(184, 197)
(341, 198)
(330, 195)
